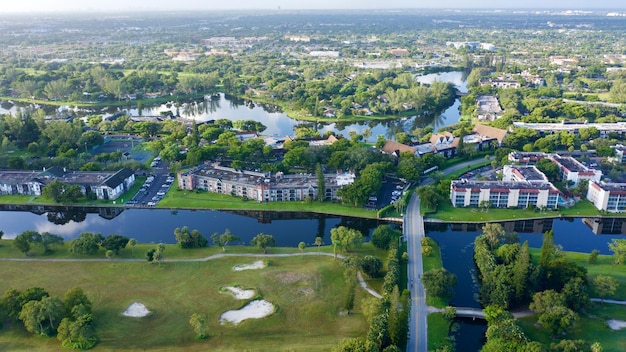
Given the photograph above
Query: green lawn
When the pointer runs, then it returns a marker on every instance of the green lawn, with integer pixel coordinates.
(447, 212)
(434, 262)
(176, 198)
(305, 290)
(604, 266)
(591, 327)
(438, 330)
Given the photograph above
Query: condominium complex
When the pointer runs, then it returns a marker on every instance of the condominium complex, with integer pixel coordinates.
(261, 186)
(501, 194)
(610, 197)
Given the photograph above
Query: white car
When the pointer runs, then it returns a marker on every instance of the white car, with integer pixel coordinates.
(160, 193)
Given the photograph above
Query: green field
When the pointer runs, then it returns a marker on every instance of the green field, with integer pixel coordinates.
(591, 327)
(306, 290)
(176, 198)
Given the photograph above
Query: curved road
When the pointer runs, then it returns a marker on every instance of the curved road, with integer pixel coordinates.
(413, 233)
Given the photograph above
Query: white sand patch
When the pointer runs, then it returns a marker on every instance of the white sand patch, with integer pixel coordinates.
(136, 310)
(238, 293)
(259, 264)
(254, 310)
(616, 324)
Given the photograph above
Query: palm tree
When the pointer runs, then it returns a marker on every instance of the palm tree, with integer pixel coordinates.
(318, 243)
(132, 242)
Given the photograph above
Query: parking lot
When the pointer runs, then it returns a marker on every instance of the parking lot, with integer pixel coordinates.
(391, 190)
(155, 187)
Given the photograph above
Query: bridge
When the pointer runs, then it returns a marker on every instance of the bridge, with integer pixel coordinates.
(477, 313)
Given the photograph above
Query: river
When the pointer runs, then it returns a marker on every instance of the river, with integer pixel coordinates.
(278, 123)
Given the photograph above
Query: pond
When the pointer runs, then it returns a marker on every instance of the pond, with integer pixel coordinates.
(221, 106)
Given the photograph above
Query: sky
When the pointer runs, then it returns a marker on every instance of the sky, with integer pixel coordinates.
(10, 6)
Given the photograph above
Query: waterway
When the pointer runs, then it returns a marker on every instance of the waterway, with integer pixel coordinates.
(457, 249)
(278, 123)
(157, 225)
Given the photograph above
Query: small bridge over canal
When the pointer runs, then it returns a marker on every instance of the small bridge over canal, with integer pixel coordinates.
(477, 313)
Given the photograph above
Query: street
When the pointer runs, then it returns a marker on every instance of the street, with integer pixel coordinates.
(413, 233)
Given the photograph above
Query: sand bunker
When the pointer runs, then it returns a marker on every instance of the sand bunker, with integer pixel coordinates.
(616, 324)
(254, 310)
(136, 310)
(259, 264)
(237, 292)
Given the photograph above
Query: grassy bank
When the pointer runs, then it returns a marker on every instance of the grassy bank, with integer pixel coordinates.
(604, 266)
(446, 212)
(307, 292)
(591, 327)
(206, 200)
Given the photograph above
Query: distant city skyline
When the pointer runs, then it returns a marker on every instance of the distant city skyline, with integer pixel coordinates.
(26, 6)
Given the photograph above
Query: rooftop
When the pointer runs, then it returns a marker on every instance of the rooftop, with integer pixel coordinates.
(530, 173)
(502, 185)
(570, 164)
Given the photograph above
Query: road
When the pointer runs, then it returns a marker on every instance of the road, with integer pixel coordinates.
(413, 234)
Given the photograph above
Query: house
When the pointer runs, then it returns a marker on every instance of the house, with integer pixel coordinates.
(399, 52)
(115, 185)
(609, 197)
(395, 148)
(501, 194)
(572, 170)
(490, 132)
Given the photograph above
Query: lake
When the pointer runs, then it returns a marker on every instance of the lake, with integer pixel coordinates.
(278, 123)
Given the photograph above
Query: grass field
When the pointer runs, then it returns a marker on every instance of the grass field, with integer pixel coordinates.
(604, 266)
(591, 327)
(307, 292)
(176, 198)
(447, 212)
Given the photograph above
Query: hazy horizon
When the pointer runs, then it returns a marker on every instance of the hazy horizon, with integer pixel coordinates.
(34, 6)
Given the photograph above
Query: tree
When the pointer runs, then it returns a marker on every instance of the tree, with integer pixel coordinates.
(109, 254)
(301, 246)
(39, 316)
(224, 239)
(187, 239)
(350, 345)
(321, 182)
(132, 243)
(593, 256)
(493, 233)
(553, 315)
(618, 247)
(439, 282)
(48, 239)
(24, 240)
(548, 250)
(199, 323)
(115, 243)
(371, 265)
(157, 255)
(77, 333)
(346, 238)
(383, 235)
(76, 297)
(263, 241)
(87, 243)
(11, 303)
(576, 294)
(318, 242)
(605, 286)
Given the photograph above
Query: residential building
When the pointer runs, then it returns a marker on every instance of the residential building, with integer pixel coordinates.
(519, 173)
(106, 185)
(500, 83)
(526, 157)
(488, 108)
(490, 132)
(260, 186)
(572, 170)
(501, 194)
(395, 148)
(603, 128)
(620, 152)
(610, 197)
